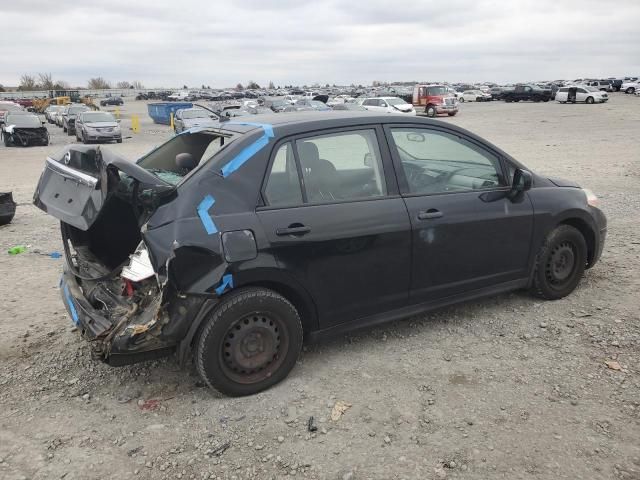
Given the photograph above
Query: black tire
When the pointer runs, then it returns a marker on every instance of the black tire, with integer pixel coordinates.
(589, 100)
(64, 128)
(7, 143)
(461, 99)
(452, 114)
(247, 319)
(630, 90)
(119, 140)
(560, 263)
(430, 111)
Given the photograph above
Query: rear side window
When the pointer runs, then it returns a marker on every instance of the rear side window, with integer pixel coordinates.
(341, 166)
(283, 183)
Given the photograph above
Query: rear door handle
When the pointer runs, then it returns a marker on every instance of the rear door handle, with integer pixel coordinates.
(430, 214)
(295, 229)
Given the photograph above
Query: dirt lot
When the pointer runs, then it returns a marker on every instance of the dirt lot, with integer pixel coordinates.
(507, 387)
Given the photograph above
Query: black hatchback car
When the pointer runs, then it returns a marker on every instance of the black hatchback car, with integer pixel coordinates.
(230, 244)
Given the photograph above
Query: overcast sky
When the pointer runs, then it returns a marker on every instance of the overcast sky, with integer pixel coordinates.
(221, 43)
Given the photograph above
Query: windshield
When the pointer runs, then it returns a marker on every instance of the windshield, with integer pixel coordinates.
(195, 113)
(23, 121)
(98, 117)
(76, 110)
(396, 101)
(436, 90)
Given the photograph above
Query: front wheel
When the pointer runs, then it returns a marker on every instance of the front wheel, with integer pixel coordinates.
(630, 90)
(589, 100)
(250, 342)
(461, 99)
(430, 111)
(560, 263)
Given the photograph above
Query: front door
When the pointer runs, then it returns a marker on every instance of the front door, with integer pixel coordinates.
(339, 232)
(467, 234)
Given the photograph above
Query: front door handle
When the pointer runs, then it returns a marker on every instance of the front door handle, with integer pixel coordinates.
(296, 229)
(430, 214)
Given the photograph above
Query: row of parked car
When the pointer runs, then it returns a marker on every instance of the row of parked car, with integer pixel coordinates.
(20, 127)
(86, 124)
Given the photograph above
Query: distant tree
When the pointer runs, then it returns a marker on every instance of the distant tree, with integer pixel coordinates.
(184, 87)
(1, 88)
(252, 85)
(98, 83)
(124, 84)
(239, 87)
(27, 82)
(45, 81)
(271, 86)
(60, 85)
(137, 84)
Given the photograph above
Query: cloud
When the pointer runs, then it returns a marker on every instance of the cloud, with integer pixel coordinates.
(197, 42)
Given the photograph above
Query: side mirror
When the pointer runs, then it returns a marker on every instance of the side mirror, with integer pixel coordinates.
(522, 180)
(186, 161)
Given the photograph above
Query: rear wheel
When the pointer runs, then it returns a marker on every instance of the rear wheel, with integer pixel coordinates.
(589, 100)
(250, 342)
(560, 263)
(630, 90)
(461, 99)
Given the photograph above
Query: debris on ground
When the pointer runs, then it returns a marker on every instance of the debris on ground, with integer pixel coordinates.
(311, 425)
(339, 409)
(613, 365)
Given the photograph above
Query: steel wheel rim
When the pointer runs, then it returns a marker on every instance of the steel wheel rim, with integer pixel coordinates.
(561, 264)
(254, 347)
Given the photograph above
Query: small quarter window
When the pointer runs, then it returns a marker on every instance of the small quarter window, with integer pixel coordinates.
(283, 184)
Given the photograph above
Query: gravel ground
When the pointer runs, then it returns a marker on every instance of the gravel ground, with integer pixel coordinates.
(507, 387)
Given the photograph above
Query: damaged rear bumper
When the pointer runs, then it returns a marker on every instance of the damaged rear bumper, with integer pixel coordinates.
(120, 335)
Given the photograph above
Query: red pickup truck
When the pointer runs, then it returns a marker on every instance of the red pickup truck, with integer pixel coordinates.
(435, 99)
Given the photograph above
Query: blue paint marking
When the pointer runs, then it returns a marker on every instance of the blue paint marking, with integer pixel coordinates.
(250, 150)
(72, 307)
(227, 281)
(203, 212)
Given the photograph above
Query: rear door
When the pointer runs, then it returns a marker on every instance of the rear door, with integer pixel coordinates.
(467, 234)
(336, 223)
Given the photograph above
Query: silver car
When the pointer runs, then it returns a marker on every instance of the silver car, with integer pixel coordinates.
(97, 127)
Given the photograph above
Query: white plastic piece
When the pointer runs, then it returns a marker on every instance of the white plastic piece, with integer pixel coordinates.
(140, 266)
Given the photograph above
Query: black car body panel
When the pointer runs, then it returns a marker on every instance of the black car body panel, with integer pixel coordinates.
(343, 264)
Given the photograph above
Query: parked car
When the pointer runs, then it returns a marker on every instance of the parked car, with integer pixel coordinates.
(388, 105)
(178, 97)
(97, 127)
(277, 104)
(305, 104)
(219, 250)
(187, 118)
(348, 106)
(50, 112)
(111, 101)
(7, 107)
(630, 86)
(474, 96)
(58, 115)
(581, 93)
(24, 129)
(69, 117)
(526, 92)
(603, 85)
(496, 93)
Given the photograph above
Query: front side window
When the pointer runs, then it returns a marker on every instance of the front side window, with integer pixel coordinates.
(341, 166)
(436, 162)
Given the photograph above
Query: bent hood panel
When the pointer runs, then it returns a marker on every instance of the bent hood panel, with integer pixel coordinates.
(75, 183)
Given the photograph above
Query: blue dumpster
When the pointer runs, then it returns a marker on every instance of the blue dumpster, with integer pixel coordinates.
(161, 112)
